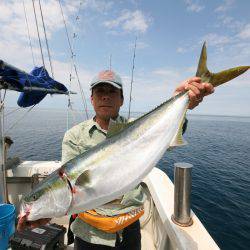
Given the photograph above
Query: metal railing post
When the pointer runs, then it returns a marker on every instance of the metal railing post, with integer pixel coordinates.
(3, 193)
(182, 194)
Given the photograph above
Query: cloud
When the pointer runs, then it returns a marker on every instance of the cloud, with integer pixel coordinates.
(245, 32)
(142, 45)
(13, 37)
(172, 75)
(62, 74)
(214, 39)
(238, 54)
(181, 50)
(14, 42)
(194, 6)
(148, 87)
(101, 6)
(155, 86)
(192, 70)
(139, 45)
(130, 21)
(13, 22)
(189, 46)
(225, 6)
(229, 22)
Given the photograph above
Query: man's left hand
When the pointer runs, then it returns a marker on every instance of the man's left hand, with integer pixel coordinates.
(196, 90)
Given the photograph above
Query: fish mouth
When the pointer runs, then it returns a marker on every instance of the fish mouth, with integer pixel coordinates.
(25, 210)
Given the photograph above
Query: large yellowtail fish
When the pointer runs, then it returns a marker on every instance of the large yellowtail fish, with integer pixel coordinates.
(118, 164)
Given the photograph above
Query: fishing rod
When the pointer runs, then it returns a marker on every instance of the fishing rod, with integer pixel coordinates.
(110, 62)
(132, 79)
(38, 33)
(73, 59)
(46, 39)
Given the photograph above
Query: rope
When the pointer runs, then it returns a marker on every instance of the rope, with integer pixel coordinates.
(46, 40)
(150, 213)
(28, 32)
(4, 95)
(69, 97)
(9, 113)
(132, 80)
(82, 93)
(17, 121)
(66, 29)
(71, 108)
(76, 71)
(67, 121)
(41, 50)
(73, 62)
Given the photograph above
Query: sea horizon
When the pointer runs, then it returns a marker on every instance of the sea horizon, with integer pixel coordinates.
(91, 111)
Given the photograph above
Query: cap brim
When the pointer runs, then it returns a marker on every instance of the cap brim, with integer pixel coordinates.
(116, 85)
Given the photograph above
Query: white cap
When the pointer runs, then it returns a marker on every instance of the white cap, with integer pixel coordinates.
(107, 76)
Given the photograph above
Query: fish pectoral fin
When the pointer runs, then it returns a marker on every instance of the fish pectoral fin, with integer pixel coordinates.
(178, 140)
(83, 178)
(115, 127)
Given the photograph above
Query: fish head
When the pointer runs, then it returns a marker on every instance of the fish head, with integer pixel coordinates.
(50, 198)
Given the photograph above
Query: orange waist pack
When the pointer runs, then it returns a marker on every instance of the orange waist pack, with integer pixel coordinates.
(111, 224)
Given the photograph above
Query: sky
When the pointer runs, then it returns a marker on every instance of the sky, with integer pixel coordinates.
(169, 35)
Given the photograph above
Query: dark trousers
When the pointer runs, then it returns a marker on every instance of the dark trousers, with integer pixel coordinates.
(131, 240)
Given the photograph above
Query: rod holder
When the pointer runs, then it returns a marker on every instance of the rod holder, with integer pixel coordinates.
(182, 194)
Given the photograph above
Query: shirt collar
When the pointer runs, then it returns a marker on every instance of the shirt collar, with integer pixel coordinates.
(93, 125)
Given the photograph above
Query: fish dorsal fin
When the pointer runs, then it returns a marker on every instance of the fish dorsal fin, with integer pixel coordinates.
(83, 178)
(178, 140)
(115, 127)
(219, 78)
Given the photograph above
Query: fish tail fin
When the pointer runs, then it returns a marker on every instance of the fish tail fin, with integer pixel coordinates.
(219, 78)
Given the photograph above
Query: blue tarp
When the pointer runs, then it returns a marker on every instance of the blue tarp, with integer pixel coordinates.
(38, 77)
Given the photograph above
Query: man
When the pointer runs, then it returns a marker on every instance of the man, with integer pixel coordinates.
(107, 98)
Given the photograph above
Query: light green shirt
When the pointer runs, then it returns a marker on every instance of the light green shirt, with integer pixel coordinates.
(77, 140)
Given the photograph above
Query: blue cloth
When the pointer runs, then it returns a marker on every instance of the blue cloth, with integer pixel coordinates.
(38, 77)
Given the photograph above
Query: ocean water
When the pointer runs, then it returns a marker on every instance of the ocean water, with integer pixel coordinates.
(219, 149)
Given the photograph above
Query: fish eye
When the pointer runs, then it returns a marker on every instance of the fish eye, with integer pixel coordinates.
(32, 197)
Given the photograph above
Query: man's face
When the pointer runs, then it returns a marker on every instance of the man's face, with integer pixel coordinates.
(106, 100)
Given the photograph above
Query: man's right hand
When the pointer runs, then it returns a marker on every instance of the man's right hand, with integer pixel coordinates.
(23, 223)
(197, 90)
